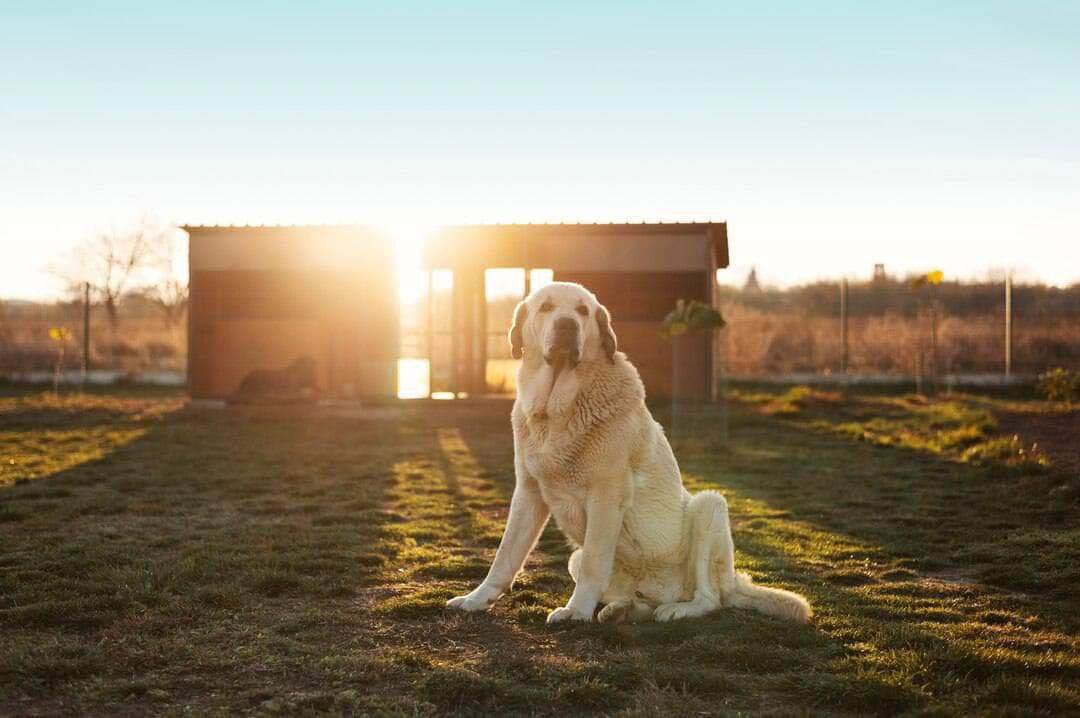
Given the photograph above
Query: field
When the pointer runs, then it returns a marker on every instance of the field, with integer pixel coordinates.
(781, 342)
(797, 330)
(160, 559)
(141, 342)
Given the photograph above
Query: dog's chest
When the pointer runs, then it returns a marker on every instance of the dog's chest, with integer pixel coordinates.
(540, 451)
(563, 489)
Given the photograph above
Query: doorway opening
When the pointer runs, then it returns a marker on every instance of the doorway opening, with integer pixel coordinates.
(453, 330)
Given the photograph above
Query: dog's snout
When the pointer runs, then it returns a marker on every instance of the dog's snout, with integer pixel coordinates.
(566, 328)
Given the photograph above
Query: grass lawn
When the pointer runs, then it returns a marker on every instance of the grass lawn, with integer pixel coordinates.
(157, 559)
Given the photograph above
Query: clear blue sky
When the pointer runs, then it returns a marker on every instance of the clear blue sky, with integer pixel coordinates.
(830, 135)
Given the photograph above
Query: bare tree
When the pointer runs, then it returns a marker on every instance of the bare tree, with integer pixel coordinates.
(140, 258)
(171, 296)
(168, 290)
(113, 262)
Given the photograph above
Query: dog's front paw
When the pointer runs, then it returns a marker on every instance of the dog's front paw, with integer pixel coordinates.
(567, 614)
(478, 600)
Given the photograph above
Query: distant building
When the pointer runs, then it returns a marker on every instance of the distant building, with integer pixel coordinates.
(261, 297)
(751, 286)
(879, 273)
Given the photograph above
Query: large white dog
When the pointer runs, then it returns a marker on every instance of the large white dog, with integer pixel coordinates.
(588, 452)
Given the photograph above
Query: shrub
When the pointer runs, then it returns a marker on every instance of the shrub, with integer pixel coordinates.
(1059, 385)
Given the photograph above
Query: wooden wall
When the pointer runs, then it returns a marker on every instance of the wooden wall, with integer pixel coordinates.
(638, 302)
(241, 320)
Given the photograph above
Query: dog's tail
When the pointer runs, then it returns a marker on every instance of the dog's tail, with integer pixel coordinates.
(770, 601)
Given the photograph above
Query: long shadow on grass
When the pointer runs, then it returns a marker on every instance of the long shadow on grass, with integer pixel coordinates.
(937, 514)
(214, 560)
(870, 530)
(744, 660)
(515, 662)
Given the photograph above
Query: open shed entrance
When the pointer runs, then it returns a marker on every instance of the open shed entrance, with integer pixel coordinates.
(453, 330)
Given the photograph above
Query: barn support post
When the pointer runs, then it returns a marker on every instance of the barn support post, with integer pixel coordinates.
(455, 334)
(481, 333)
(430, 330)
(469, 327)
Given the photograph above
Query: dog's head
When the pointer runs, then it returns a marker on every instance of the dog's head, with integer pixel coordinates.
(562, 322)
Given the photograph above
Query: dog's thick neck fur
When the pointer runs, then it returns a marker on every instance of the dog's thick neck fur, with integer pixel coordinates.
(551, 392)
(547, 390)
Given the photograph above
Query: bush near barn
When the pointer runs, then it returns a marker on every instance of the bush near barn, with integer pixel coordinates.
(1060, 385)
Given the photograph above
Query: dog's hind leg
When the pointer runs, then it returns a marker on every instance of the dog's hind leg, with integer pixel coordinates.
(708, 516)
(621, 606)
(736, 589)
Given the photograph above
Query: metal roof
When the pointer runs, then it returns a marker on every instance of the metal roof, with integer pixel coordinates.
(689, 225)
(512, 244)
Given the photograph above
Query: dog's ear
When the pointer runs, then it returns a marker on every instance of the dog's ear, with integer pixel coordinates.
(607, 335)
(516, 340)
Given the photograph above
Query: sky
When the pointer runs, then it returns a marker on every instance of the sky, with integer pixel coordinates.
(831, 136)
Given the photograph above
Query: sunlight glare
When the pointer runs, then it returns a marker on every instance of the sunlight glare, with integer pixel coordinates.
(409, 246)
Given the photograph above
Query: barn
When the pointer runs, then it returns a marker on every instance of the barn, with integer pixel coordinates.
(262, 296)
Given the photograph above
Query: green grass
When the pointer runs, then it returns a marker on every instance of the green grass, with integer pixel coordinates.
(155, 559)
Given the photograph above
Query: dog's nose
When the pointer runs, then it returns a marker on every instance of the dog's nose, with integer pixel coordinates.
(565, 328)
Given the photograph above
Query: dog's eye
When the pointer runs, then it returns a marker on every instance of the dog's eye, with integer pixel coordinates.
(582, 310)
(547, 307)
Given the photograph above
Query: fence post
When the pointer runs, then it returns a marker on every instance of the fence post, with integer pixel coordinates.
(85, 333)
(843, 325)
(919, 371)
(1008, 324)
(933, 341)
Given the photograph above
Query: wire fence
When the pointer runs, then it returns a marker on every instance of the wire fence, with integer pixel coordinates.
(873, 329)
(72, 336)
(889, 328)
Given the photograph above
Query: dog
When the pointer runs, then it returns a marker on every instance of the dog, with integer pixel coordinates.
(296, 382)
(588, 452)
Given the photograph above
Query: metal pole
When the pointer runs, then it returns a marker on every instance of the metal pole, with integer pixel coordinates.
(933, 340)
(843, 324)
(85, 333)
(919, 371)
(1008, 324)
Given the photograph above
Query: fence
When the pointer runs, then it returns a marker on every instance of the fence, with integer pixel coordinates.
(890, 330)
(142, 342)
(887, 328)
